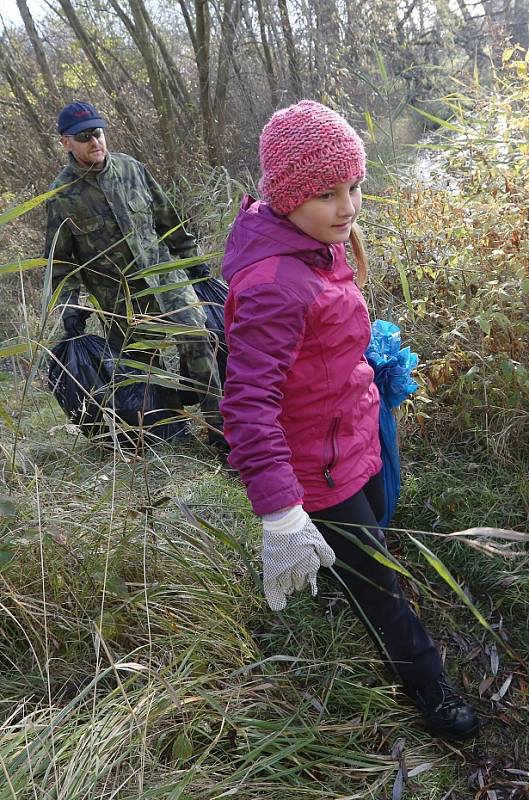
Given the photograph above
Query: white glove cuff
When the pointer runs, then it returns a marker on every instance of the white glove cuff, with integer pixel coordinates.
(292, 521)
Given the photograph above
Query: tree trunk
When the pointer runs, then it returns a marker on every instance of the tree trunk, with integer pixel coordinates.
(174, 75)
(267, 54)
(231, 15)
(326, 43)
(104, 75)
(16, 85)
(199, 35)
(519, 24)
(34, 38)
(186, 108)
(296, 86)
(464, 10)
(202, 55)
(158, 84)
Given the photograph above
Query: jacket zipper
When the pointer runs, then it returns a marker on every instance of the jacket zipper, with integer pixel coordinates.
(334, 453)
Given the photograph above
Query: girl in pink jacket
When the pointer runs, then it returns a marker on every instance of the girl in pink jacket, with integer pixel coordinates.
(301, 409)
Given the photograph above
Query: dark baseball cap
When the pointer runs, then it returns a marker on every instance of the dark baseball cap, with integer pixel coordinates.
(77, 117)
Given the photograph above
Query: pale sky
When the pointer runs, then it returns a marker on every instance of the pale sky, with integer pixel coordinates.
(11, 14)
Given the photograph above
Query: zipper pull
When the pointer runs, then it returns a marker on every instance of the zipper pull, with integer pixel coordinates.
(328, 477)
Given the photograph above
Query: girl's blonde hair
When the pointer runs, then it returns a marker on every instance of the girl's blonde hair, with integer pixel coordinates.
(357, 246)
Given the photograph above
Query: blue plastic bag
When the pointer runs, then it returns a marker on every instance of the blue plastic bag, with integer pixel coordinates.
(392, 366)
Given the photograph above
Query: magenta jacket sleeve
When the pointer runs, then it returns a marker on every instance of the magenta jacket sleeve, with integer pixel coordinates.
(264, 337)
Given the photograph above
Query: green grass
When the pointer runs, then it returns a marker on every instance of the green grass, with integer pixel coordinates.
(139, 659)
(447, 491)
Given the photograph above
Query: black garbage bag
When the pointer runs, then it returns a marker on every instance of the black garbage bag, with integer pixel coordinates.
(212, 293)
(92, 386)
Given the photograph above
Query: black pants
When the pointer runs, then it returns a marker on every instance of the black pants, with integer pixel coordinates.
(378, 601)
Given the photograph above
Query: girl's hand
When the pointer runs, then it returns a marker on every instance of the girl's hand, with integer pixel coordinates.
(293, 551)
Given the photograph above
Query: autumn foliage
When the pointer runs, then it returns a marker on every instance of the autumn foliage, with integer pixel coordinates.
(453, 263)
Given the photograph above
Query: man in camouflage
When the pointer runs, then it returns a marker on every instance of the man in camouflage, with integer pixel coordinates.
(106, 225)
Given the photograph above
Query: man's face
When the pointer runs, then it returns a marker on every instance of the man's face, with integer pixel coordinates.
(90, 153)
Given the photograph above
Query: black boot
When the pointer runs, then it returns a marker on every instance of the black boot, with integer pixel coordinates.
(171, 403)
(444, 711)
(219, 444)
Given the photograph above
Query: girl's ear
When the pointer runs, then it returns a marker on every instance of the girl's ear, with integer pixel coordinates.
(357, 246)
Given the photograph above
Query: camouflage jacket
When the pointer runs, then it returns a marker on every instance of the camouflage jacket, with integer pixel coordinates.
(114, 220)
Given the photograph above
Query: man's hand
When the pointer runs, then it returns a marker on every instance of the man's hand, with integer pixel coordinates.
(293, 552)
(75, 323)
(199, 271)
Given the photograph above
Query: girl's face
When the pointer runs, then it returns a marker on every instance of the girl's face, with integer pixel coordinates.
(329, 216)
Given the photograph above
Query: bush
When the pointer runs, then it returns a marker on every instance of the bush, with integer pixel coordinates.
(453, 265)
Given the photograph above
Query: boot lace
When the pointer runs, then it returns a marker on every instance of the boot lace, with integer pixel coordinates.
(449, 698)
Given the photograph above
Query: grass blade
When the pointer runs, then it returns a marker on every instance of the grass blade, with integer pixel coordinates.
(448, 578)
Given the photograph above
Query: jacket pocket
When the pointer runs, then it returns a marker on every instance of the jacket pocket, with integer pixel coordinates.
(83, 226)
(331, 451)
(139, 209)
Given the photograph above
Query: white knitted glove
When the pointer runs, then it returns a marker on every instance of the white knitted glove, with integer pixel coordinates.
(293, 551)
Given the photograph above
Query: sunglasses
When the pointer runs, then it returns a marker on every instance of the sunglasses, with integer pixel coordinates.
(85, 136)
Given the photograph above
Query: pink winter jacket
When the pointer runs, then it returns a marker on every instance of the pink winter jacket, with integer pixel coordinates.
(300, 407)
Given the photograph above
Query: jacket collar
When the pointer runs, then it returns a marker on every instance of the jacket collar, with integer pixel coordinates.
(322, 258)
(85, 172)
(312, 252)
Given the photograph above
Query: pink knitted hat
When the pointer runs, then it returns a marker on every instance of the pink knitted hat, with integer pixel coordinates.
(306, 149)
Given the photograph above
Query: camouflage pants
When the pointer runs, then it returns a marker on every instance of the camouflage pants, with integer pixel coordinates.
(192, 356)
